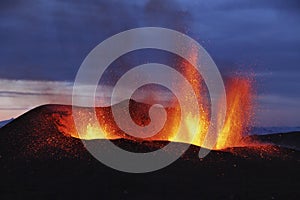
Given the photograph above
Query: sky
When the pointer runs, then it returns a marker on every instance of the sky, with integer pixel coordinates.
(43, 43)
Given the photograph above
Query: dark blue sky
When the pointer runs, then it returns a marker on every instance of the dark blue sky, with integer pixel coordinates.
(48, 40)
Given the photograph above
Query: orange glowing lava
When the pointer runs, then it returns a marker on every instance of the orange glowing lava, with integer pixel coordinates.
(239, 95)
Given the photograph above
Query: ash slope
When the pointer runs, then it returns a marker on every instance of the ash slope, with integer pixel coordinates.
(289, 140)
(38, 134)
(37, 160)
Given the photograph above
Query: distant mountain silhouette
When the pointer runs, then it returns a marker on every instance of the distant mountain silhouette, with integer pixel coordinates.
(4, 122)
(288, 140)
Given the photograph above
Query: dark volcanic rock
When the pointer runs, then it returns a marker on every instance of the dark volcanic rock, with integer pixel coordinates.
(39, 161)
(36, 135)
(288, 140)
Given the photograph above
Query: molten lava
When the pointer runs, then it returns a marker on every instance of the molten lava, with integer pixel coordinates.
(239, 113)
(239, 95)
(199, 127)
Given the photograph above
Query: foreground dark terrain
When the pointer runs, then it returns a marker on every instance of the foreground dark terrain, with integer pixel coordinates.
(38, 161)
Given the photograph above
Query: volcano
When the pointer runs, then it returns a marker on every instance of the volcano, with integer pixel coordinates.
(42, 156)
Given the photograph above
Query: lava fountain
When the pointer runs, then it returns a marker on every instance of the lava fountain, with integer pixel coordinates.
(239, 112)
(239, 95)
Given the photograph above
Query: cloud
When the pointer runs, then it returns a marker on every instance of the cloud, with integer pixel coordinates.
(274, 110)
(48, 40)
(19, 96)
(281, 5)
